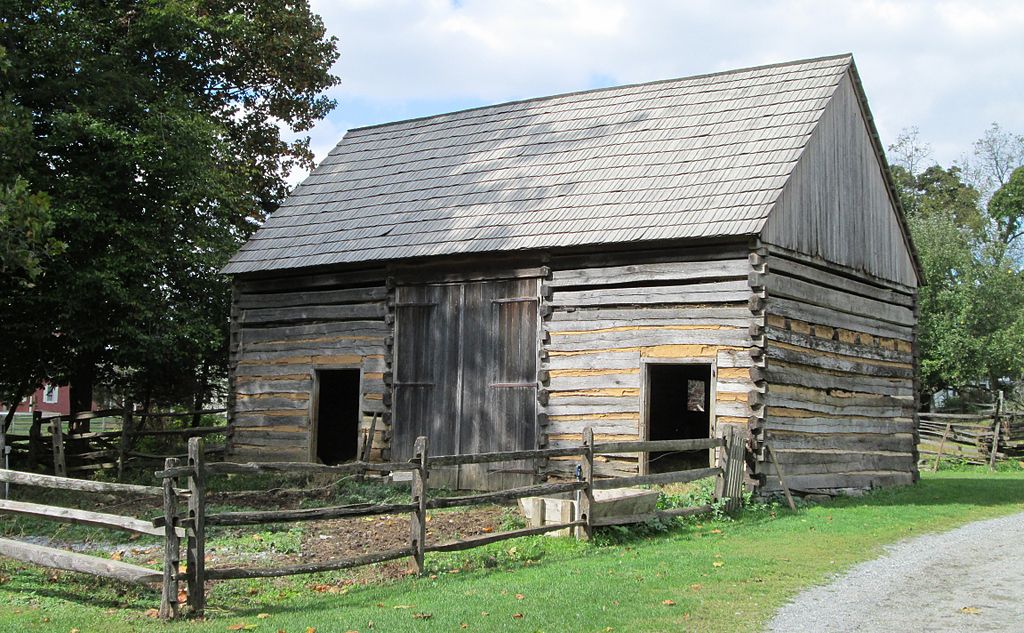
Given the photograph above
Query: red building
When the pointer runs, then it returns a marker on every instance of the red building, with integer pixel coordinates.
(48, 399)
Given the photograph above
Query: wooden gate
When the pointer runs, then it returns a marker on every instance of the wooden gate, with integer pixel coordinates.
(466, 375)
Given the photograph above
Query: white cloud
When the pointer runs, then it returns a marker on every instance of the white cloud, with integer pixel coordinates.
(950, 68)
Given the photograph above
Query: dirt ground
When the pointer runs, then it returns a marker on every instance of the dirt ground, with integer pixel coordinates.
(352, 537)
(346, 538)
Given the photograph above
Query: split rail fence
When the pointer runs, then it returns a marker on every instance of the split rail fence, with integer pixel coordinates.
(974, 438)
(185, 518)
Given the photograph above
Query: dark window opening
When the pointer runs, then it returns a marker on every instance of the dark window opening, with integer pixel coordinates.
(678, 408)
(337, 415)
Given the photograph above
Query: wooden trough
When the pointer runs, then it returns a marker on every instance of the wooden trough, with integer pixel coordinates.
(611, 507)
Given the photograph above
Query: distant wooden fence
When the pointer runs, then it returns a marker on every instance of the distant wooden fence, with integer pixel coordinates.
(974, 438)
(77, 450)
(195, 471)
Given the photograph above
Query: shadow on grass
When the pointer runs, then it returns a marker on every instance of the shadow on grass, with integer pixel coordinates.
(945, 490)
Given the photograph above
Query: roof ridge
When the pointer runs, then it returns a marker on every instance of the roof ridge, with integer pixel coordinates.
(604, 89)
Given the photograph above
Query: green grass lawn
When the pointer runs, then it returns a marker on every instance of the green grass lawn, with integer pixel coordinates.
(711, 576)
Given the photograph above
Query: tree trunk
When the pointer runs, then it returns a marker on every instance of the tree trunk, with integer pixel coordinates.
(81, 386)
(9, 418)
(197, 403)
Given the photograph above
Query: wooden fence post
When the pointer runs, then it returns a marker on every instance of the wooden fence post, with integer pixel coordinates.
(172, 546)
(122, 449)
(942, 445)
(60, 467)
(734, 470)
(195, 553)
(587, 473)
(418, 535)
(996, 426)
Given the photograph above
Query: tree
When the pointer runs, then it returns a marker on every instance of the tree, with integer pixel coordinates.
(1006, 208)
(995, 155)
(972, 308)
(155, 132)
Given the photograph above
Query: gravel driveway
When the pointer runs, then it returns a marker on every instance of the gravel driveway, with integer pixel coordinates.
(969, 579)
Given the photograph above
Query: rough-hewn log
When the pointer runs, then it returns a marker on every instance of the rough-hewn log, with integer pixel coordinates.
(82, 485)
(667, 271)
(502, 456)
(303, 468)
(259, 517)
(712, 292)
(70, 561)
(659, 445)
(80, 517)
(832, 363)
(312, 313)
(625, 338)
(682, 476)
(790, 268)
(506, 495)
(826, 316)
(839, 300)
(312, 298)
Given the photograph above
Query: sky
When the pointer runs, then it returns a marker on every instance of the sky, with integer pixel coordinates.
(949, 68)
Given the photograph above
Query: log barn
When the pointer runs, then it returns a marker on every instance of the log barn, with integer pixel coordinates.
(656, 261)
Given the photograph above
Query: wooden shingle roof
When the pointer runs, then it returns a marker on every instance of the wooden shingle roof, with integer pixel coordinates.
(698, 157)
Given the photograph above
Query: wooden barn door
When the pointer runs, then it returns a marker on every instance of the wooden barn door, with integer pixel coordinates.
(499, 380)
(466, 375)
(427, 332)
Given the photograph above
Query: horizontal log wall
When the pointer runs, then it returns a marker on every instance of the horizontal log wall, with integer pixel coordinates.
(283, 330)
(839, 406)
(605, 317)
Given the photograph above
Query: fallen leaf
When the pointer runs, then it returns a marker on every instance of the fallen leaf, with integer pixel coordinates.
(463, 626)
(422, 616)
(488, 530)
(715, 531)
(519, 596)
(696, 586)
(403, 606)
(75, 630)
(484, 613)
(717, 563)
(150, 613)
(970, 610)
(517, 616)
(241, 626)
(262, 616)
(118, 555)
(257, 537)
(310, 629)
(669, 603)
(454, 571)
